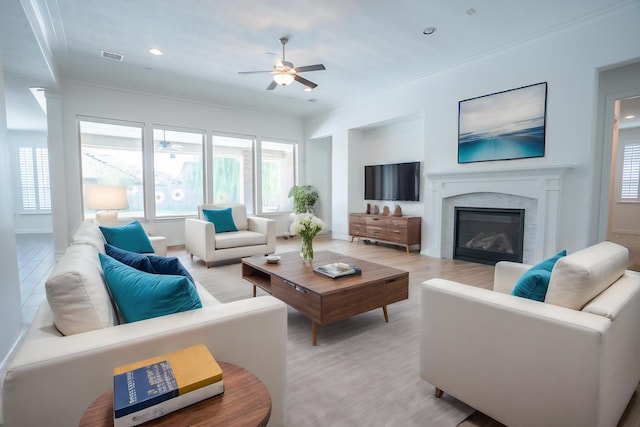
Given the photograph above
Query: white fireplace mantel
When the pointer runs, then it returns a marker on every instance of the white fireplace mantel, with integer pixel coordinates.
(542, 184)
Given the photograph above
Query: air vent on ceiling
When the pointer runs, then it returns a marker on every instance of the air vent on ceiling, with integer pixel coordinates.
(112, 55)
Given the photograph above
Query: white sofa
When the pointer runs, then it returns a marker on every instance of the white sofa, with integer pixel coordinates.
(255, 235)
(529, 363)
(52, 378)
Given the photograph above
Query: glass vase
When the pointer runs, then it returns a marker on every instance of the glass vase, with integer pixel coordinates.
(306, 252)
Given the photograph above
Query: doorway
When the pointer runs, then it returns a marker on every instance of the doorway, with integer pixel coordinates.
(623, 222)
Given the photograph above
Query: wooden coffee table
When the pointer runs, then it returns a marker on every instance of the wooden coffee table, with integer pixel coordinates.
(321, 298)
(245, 402)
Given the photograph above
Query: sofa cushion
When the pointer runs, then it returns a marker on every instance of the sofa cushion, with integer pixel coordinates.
(130, 237)
(77, 294)
(89, 234)
(222, 219)
(140, 295)
(148, 263)
(240, 238)
(579, 277)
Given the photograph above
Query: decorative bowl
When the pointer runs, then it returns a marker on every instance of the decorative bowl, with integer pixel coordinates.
(273, 259)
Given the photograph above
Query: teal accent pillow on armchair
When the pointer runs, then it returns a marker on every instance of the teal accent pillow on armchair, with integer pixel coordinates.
(222, 219)
(140, 295)
(533, 284)
(130, 237)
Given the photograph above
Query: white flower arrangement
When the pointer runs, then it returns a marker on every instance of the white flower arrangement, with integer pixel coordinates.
(306, 225)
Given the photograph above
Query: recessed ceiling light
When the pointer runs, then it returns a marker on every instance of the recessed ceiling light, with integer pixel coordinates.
(155, 51)
(630, 116)
(428, 31)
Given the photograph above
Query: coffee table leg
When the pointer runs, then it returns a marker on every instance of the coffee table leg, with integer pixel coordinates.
(386, 315)
(314, 331)
(254, 291)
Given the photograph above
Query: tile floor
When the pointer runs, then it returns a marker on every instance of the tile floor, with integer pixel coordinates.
(36, 258)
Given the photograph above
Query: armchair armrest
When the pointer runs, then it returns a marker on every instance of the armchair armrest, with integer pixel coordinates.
(199, 237)
(507, 274)
(496, 352)
(264, 226)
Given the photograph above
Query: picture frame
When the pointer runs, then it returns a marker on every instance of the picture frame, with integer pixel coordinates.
(505, 125)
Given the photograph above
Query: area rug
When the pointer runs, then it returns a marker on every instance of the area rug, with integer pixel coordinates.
(362, 372)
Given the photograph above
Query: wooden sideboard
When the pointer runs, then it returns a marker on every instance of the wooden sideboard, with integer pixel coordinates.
(400, 230)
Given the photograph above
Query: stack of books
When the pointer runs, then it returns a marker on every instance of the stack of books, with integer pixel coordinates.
(337, 269)
(153, 387)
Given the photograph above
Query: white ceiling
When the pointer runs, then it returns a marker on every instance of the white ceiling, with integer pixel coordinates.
(367, 46)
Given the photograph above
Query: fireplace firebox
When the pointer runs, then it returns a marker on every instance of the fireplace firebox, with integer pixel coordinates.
(488, 235)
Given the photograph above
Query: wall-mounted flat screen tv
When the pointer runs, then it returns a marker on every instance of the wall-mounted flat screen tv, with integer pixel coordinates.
(397, 181)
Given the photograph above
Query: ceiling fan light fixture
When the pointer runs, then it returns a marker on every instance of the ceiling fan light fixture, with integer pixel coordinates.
(283, 79)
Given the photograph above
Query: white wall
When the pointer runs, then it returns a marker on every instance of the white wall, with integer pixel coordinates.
(91, 100)
(567, 59)
(10, 317)
(26, 222)
(318, 161)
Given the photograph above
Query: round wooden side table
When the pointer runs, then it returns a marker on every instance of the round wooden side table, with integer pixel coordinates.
(245, 402)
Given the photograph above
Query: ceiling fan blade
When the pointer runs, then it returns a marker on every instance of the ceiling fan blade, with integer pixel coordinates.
(304, 81)
(272, 85)
(316, 67)
(254, 72)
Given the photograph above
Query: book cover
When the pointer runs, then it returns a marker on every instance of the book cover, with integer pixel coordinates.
(337, 269)
(164, 383)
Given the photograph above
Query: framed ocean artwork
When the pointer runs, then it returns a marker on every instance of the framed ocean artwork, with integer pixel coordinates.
(503, 126)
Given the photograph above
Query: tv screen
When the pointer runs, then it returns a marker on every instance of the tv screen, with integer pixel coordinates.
(397, 181)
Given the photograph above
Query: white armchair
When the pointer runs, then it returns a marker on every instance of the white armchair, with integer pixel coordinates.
(255, 235)
(530, 363)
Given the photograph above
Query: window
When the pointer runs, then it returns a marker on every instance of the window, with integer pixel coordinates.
(233, 170)
(278, 175)
(630, 175)
(111, 154)
(35, 188)
(177, 162)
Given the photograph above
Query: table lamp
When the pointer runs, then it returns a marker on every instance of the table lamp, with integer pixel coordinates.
(106, 200)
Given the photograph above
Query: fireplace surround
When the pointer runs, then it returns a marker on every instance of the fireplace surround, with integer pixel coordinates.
(535, 189)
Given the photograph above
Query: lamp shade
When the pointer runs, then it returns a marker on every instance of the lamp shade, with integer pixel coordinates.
(105, 197)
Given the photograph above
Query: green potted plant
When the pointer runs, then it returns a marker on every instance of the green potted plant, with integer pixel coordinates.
(305, 198)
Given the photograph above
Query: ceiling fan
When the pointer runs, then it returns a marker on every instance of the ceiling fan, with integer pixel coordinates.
(284, 73)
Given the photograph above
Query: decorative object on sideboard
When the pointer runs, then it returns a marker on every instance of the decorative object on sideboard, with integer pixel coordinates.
(385, 211)
(376, 210)
(368, 208)
(397, 211)
(106, 200)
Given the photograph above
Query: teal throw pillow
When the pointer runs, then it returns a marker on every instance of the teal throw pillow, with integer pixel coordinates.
(533, 284)
(221, 219)
(140, 295)
(548, 263)
(130, 237)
